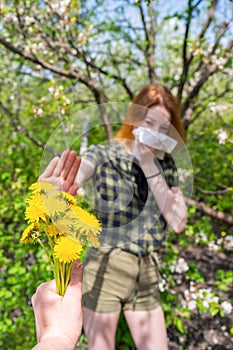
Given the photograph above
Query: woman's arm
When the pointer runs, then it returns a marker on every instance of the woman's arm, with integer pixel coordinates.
(170, 200)
(85, 172)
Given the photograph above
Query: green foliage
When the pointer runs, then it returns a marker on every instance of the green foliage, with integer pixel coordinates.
(210, 144)
(124, 339)
(194, 274)
(22, 268)
(223, 280)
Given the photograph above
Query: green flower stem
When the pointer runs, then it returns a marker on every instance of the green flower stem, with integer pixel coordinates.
(68, 268)
(45, 250)
(62, 276)
(56, 271)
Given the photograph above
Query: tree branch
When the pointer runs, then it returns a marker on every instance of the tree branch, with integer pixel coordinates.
(187, 60)
(212, 192)
(206, 73)
(189, 118)
(225, 217)
(208, 21)
(150, 40)
(18, 128)
(74, 74)
(33, 58)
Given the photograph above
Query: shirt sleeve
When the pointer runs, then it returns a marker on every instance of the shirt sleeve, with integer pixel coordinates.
(94, 154)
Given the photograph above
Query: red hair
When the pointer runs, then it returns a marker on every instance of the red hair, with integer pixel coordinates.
(151, 95)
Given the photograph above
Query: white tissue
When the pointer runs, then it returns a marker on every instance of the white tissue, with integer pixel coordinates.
(154, 139)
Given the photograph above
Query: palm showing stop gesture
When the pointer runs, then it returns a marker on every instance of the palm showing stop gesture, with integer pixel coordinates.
(61, 172)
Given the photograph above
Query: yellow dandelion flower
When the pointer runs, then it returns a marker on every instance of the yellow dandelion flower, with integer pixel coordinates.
(54, 204)
(93, 239)
(67, 250)
(88, 220)
(35, 187)
(84, 227)
(71, 199)
(87, 237)
(223, 233)
(42, 186)
(52, 230)
(35, 209)
(27, 233)
(62, 223)
(77, 224)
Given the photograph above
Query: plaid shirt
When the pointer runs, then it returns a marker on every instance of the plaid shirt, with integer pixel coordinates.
(124, 204)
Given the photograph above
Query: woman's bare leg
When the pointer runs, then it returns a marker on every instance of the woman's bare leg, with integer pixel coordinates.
(100, 329)
(148, 329)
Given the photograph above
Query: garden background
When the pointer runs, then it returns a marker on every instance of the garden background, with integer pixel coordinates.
(61, 57)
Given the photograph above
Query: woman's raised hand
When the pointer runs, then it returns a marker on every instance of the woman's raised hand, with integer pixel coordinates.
(62, 171)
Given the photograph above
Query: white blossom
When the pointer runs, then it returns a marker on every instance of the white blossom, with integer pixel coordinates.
(222, 136)
(190, 297)
(201, 236)
(21, 10)
(51, 89)
(73, 51)
(207, 297)
(179, 266)
(28, 20)
(183, 174)
(227, 307)
(56, 94)
(216, 108)
(192, 304)
(39, 112)
(192, 287)
(218, 61)
(163, 285)
(219, 241)
(213, 246)
(228, 243)
(60, 6)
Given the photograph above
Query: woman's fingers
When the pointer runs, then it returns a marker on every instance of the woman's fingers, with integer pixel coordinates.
(61, 164)
(69, 166)
(50, 169)
(72, 189)
(73, 170)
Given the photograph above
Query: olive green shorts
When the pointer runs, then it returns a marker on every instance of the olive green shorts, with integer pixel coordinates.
(110, 281)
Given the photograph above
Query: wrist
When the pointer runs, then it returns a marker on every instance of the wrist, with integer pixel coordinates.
(150, 171)
(54, 341)
(153, 175)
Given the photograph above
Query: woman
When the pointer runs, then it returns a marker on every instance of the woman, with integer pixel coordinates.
(137, 196)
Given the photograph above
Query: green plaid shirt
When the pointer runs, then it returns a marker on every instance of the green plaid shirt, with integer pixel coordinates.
(124, 204)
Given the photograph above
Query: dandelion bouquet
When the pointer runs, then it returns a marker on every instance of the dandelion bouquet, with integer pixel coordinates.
(61, 227)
